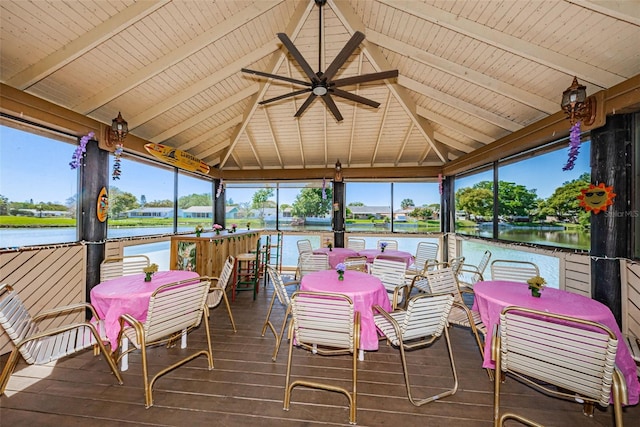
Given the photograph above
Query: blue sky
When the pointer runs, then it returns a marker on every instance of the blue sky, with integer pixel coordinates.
(25, 175)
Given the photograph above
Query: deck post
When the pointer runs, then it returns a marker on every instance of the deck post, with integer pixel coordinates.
(610, 230)
(94, 176)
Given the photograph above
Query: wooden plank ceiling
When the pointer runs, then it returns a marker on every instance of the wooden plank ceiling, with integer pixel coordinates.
(470, 71)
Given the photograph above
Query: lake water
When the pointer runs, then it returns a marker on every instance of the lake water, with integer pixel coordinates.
(159, 252)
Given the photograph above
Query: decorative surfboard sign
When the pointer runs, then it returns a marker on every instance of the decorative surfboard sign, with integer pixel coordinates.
(178, 158)
(102, 205)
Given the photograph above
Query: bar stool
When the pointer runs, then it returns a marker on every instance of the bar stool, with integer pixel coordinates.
(247, 272)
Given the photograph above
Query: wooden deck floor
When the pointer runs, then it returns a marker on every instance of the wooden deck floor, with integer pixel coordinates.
(246, 388)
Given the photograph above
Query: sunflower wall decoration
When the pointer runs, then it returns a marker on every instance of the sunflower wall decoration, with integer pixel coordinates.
(596, 198)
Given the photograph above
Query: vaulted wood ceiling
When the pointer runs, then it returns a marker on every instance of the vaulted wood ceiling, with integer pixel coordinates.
(470, 72)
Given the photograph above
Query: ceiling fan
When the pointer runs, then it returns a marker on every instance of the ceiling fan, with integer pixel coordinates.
(322, 84)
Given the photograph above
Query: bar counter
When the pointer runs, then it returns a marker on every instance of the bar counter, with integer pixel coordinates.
(206, 254)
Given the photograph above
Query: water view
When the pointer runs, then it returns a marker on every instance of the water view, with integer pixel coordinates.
(160, 252)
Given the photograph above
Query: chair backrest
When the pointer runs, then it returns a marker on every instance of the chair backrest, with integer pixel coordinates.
(443, 281)
(484, 261)
(324, 322)
(573, 354)
(426, 251)
(456, 264)
(425, 316)
(358, 263)
(356, 244)
(113, 267)
(304, 245)
(310, 262)
(391, 244)
(175, 307)
(215, 295)
(278, 286)
(516, 271)
(391, 273)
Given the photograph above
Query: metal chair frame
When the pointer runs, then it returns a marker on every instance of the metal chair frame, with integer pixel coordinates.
(325, 324)
(113, 267)
(282, 295)
(420, 325)
(512, 270)
(218, 291)
(559, 355)
(174, 310)
(39, 347)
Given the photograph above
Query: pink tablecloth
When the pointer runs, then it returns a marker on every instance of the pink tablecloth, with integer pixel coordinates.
(365, 291)
(371, 254)
(129, 294)
(336, 255)
(492, 296)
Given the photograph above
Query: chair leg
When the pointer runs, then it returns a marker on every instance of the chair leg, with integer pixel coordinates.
(279, 338)
(8, 369)
(226, 302)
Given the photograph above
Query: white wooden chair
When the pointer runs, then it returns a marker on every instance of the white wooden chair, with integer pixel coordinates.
(392, 245)
(39, 347)
(218, 291)
(470, 274)
(310, 262)
(560, 356)
(514, 271)
(281, 294)
(325, 324)
(392, 275)
(425, 252)
(174, 310)
(356, 244)
(443, 280)
(113, 267)
(304, 245)
(420, 325)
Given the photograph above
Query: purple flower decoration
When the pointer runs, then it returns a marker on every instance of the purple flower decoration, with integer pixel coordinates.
(574, 147)
(76, 159)
(383, 245)
(116, 162)
(341, 268)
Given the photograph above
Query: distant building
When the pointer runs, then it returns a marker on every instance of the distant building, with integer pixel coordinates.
(366, 212)
(152, 213)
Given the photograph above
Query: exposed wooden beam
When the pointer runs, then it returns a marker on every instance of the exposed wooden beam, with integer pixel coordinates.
(457, 126)
(349, 19)
(195, 142)
(457, 145)
(527, 98)
(404, 144)
(624, 10)
(459, 104)
(84, 43)
(189, 48)
(292, 30)
(202, 85)
(273, 136)
(501, 40)
(205, 114)
(384, 118)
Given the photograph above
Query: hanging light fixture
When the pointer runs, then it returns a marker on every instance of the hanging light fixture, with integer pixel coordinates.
(119, 128)
(577, 106)
(338, 172)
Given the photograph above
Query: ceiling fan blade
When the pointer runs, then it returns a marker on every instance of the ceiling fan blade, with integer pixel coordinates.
(286, 95)
(344, 54)
(293, 50)
(364, 78)
(332, 106)
(312, 97)
(354, 97)
(275, 76)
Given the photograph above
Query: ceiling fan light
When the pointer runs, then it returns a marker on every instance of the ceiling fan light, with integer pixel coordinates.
(319, 90)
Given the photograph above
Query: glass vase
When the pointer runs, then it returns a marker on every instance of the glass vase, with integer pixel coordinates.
(147, 277)
(535, 292)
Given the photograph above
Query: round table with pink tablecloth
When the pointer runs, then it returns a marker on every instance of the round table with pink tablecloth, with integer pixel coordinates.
(336, 255)
(365, 291)
(371, 254)
(129, 294)
(492, 296)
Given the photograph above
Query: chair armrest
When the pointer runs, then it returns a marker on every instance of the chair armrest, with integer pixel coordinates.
(293, 283)
(60, 329)
(63, 309)
(494, 343)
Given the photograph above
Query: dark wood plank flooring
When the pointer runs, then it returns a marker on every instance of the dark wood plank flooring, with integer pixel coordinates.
(246, 388)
